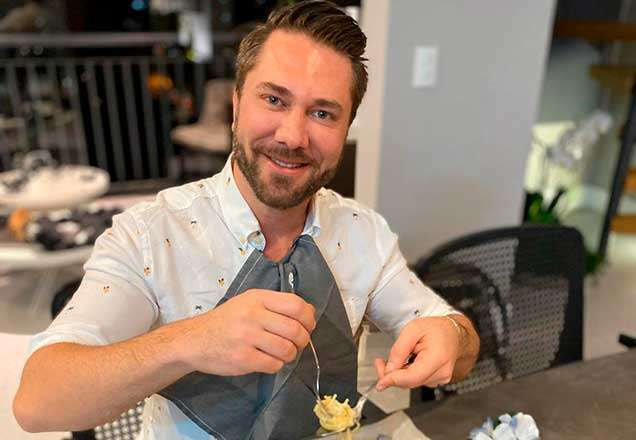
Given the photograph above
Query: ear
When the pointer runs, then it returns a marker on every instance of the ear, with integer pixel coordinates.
(235, 104)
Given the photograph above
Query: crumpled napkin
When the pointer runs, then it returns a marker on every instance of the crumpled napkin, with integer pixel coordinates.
(518, 427)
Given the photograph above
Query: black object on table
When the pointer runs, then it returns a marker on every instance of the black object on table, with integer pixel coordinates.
(66, 229)
(627, 341)
(588, 400)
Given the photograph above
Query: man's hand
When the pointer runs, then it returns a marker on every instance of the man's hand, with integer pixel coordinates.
(256, 331)
(438, 345)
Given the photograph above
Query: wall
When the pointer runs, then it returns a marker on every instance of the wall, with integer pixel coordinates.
(452, 156)
(374, 21)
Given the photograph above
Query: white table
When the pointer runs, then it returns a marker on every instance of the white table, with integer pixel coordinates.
(56, 188)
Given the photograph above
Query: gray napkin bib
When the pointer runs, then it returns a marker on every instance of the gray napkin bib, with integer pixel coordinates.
(278, 406)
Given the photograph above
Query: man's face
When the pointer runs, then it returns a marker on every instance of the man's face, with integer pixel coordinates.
(291, 120)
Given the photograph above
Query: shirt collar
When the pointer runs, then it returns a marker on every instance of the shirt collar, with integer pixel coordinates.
(239, 216)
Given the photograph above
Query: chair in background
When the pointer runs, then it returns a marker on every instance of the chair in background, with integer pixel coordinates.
(522, 287)
(211, 135)
(126, 427)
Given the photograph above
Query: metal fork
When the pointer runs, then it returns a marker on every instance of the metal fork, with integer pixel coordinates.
(316, 390)
(363, 399)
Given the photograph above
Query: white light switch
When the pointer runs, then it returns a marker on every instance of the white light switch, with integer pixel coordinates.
(425, 66)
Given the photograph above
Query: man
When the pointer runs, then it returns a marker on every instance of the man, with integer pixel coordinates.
(207, 298)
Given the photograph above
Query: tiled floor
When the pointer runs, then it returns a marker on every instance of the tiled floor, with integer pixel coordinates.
(610, 308)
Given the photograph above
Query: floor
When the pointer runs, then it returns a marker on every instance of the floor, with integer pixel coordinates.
(610, 300)
(610, 309)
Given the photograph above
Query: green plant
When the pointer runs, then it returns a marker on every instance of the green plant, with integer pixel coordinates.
(537, 212)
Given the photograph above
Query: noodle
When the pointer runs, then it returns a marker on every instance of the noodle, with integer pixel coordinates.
(336, 416)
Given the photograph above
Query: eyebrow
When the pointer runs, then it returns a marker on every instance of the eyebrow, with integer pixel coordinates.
(328, 103)
(283, 91)
(286, 93)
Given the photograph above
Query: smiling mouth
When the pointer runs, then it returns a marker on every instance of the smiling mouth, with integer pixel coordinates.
(288, 165)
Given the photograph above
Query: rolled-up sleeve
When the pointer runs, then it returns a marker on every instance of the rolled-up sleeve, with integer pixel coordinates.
(399, 296)
(113, 301)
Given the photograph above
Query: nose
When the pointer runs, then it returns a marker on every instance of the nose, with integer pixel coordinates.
(292, 130)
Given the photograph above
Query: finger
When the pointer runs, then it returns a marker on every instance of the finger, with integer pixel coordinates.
(402, 348)
(275, 346)
(264, 363)
(291, 305)
(411, 376)
(284, 327)
(442, 376)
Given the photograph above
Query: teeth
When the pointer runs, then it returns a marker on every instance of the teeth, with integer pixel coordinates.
(285, 164)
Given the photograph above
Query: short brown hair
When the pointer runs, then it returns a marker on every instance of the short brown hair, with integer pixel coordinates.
(322, 21)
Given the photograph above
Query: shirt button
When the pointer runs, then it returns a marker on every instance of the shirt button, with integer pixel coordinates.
(256, 239)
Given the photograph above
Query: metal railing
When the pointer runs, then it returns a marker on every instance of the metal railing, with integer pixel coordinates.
(112, 112)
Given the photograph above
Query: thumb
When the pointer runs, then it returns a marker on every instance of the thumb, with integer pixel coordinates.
(399, 378)
(380, 365)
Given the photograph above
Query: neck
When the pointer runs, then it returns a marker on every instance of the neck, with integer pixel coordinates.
(279, 226)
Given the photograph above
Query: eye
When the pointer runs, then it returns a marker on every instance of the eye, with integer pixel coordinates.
(273, 100)
(323, 114)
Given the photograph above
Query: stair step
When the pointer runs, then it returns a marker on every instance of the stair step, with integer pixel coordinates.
(630, 181)
(624, 224)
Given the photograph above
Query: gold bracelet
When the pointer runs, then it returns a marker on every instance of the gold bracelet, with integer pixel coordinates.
(460, 330)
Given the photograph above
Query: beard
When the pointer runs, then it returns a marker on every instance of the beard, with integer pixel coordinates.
(281, 192)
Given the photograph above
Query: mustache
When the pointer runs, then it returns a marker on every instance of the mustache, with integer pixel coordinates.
(279, 151)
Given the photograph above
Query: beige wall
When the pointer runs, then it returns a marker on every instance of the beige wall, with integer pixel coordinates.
(443, 161)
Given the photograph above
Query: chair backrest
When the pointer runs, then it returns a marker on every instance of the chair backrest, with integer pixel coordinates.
(126, 427)
(217, 104)
(523, 289)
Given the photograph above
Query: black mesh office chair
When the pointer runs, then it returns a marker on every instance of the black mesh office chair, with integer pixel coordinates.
(126, 427)
(523, 289)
